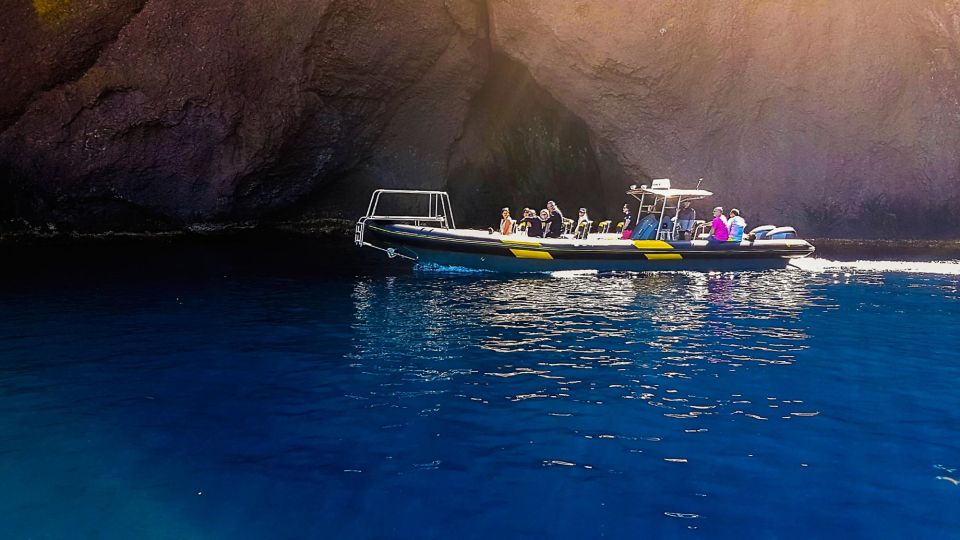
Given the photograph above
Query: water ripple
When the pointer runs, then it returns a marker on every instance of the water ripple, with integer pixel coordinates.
(588, 340)
(591, 405)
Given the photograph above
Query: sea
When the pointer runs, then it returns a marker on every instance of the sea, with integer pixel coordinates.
(306, 389)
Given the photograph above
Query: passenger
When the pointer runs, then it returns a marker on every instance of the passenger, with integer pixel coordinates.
(718, 228)
(506, 223)
(534, 225)
(685, 219)
(736, 225)
(583, 222)
(627, 222)
(555, 221)
(545, 221)
(521, 225)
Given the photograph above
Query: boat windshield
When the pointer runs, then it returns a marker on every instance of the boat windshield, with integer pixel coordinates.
(663, 202)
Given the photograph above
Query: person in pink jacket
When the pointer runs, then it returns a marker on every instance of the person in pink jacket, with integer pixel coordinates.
(718, 227)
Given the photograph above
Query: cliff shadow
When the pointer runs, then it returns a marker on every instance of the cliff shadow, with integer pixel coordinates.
(521, 147)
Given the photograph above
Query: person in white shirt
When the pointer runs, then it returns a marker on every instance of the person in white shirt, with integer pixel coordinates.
(582, 223)
(736, 225)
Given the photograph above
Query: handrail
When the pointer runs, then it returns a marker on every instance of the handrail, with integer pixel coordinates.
(405, 218)
(439, 203)
(439, 211)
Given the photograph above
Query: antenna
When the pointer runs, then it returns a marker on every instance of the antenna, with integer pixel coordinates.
(700, 181)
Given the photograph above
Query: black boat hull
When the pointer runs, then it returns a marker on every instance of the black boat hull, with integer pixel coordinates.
(518, 254)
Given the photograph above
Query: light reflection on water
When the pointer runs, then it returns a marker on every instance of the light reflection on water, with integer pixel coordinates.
(377, 405)
(816, 264)
(590, 339)
(695, 380)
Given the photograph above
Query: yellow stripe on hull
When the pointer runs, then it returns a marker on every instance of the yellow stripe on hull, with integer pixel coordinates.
(530, 254)
(663, 256)
(651, 244)
(520, 242)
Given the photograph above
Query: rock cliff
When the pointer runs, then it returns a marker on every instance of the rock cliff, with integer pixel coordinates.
(190, 111)
(842, 118)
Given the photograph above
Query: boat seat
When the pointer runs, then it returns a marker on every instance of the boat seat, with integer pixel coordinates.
(666, 231)
(567, 225)
(604, 226)
(620, 227)
(583, 229)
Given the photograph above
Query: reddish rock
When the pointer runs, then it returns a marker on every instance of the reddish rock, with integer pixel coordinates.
(200, 111)
(841, 118)
(44, 44)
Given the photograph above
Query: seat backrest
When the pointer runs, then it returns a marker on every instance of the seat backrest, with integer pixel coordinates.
(583, 229)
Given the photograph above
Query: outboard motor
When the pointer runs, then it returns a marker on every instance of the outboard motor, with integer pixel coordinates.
(646, 228)
(781, 233)
(762, 231)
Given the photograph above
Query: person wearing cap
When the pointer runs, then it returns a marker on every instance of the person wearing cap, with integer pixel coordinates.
(736, 225)
(534, 225)
(718, 227)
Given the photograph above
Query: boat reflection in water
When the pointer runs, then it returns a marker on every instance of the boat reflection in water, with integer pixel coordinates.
(584, 339)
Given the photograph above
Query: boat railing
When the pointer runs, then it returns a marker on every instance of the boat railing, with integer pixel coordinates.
(439, 213)
(700, 230)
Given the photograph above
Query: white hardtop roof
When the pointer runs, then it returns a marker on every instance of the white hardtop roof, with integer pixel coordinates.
(661, 188)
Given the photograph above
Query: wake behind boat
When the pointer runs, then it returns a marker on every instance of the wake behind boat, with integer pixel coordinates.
(431, 237)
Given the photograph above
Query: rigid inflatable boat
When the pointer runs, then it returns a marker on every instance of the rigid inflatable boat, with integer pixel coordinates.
(431, 237)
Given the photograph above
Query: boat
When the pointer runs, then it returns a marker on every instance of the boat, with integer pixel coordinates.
(425, 233)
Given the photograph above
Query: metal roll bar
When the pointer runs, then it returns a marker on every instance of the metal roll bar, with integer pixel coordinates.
(439, 214)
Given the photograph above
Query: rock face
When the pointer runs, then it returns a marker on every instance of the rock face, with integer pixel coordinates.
(197, 112)
(521, 147)
(842, 118)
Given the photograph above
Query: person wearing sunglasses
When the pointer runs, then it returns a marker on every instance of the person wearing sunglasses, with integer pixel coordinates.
(718, 227)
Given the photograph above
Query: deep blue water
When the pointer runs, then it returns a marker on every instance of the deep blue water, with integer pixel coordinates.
(211, 395)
